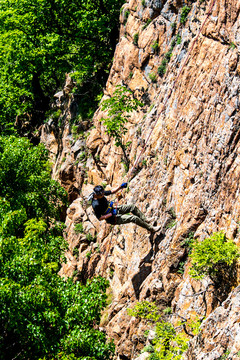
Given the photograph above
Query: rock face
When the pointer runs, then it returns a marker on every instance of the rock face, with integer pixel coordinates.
(188, 176)
(213, 340)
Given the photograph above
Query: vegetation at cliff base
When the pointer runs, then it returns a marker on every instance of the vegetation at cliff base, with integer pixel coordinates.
(170, 342)
(25, 177)
(41, 41)
(42, 316)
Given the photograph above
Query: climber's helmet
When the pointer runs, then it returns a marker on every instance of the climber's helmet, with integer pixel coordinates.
(98, 190)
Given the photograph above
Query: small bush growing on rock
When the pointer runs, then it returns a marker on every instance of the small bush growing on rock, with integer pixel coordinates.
(118, 107)
(145, 310)
(153, 77)
(135, 39)
(178, 39)
(148, 348)
(184, 13)
(88, 254)
(78, 228)
(104, 185)
(147, 23)
(167, 311)
(181, 267)
(90, 238)
(75, 132)
(56, 114)
(82, 156)
(168, 55)
(213, 256)
(171, 224)
(162, 68)
(169, 342)
(155, 46)
(188, 242)
(232, 46)
(75, 252)
(225, 355)
(126, 15)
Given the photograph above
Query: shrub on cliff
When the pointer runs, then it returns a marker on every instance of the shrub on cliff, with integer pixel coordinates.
(213, 256)
(118, 107)
(170, 342)
(184, 13)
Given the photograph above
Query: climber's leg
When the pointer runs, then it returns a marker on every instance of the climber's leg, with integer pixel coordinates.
(128, 218)
(124, 209)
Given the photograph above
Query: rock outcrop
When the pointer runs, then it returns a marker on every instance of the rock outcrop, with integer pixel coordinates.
(187, 180)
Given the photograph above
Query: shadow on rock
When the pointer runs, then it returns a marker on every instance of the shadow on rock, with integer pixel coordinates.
(139, 278)
(155, 240)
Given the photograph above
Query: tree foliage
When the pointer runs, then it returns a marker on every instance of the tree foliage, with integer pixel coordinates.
(26, 184)
(118, 107)
(169, 342)
(42, 316)
(41, 40)
(213, 256)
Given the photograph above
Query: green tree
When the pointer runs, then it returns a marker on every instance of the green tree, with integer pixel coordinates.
(25, 179)
(118, 107)
(41, 40)
(42, 316)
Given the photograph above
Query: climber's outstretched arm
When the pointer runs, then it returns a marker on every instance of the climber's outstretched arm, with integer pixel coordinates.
(122, 186)
(104, 217)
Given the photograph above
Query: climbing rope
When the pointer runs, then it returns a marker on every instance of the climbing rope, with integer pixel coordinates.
(110, 241)
(134, 167)
(107, 252)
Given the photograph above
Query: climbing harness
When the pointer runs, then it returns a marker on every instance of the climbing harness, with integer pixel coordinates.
(134, 167)
(110, 208)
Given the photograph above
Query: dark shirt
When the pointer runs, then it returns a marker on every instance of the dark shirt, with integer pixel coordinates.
(100, 205)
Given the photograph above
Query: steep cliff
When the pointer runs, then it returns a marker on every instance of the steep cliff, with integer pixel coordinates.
(188, 180)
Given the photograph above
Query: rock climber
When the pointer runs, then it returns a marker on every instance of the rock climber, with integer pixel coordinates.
(120, 214)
